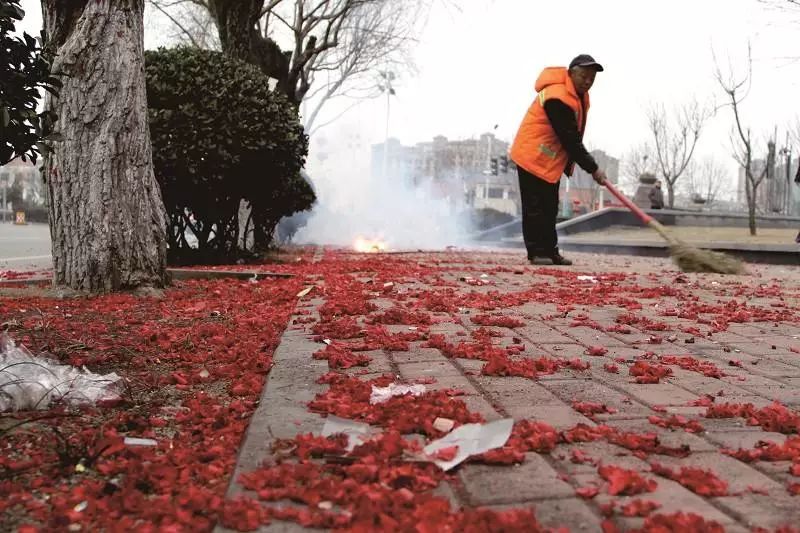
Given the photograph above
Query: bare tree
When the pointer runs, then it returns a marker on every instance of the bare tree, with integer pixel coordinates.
(674, 140)
(736, 90)
(792, 6)
(638, 161)
(706, 180)
(192, 23)
(107, 218)
(336, 46)
(378, 36)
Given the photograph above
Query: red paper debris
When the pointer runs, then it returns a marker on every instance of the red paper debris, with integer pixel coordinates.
(625, 482)
(649, 373)
(698, 480)
(639, 507)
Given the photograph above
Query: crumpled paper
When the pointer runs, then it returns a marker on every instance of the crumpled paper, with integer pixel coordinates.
(382, 394)
(471, 439)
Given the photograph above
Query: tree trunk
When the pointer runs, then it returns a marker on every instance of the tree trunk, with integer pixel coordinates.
(107, 218)
(236, 25)
(671, 194)
(750, 191)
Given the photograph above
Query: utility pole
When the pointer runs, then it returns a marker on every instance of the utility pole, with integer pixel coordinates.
(388, 77)
(786, 151)
(489, 139)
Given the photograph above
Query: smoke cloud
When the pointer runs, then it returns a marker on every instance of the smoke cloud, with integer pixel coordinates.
(353, 204)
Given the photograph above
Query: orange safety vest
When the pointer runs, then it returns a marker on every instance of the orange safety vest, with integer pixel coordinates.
(536, 147)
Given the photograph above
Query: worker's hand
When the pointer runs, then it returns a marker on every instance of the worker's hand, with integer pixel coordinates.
(600, 176)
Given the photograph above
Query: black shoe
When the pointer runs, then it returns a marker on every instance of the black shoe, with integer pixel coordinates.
(541, 261)
(560, 260)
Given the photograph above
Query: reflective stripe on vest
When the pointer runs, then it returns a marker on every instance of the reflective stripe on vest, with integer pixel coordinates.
(546, 150)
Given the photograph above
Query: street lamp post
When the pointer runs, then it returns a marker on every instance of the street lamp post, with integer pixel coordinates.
(787, 196)
(388, 77)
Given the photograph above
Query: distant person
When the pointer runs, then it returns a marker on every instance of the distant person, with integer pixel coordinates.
(656, 196)
(548, 144)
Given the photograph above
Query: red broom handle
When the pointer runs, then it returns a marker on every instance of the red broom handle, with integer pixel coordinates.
(628, 203)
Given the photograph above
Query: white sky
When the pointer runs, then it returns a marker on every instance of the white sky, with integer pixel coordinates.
(477, 67)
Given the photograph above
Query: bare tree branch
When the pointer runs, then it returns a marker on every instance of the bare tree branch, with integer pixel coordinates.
(192, 20)
(639, 160)
(706, 180)
(675, 140)
(735, 90)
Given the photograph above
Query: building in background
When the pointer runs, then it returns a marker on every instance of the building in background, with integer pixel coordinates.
(455, 170)
(584, 193)
(776, 194)
(477, 173)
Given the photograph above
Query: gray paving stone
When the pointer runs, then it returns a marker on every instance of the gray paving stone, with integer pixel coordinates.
(534, 479)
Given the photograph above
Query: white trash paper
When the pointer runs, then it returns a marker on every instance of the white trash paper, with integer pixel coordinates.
(471, 439)
(382, 394)
(31, 382)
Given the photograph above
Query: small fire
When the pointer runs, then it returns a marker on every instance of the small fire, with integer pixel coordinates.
(367, 246)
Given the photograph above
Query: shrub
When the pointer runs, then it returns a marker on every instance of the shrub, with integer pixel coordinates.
(221, 137)
(24, 70)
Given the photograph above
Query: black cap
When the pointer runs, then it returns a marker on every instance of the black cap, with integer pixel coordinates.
(585, 60)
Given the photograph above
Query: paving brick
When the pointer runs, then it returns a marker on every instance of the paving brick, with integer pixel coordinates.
(740, 476)
(534, 479)
(380, 364)
(459, 383)
(664, 393)
(744, 438)
(559, 416)
(428, 369)
(565, 350)
(514, 390)
(788, 394)
(446, 328)
(479, 404)
(763, 349)
(600, 452)
(701, 385)
(756, 510)
(571, 391)
(418, 355)
(573, 514)
(672, 496)
(470, 365)
(746, 330)
(591, 337)
(541, 334)
(667, 437)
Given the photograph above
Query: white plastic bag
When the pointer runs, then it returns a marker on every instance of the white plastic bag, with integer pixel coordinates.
(30, 382)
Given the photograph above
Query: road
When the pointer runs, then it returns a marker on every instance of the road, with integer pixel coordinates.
(24, 247)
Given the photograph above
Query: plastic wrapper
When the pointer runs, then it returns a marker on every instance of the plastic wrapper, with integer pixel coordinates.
(29, 382)
(382, 394)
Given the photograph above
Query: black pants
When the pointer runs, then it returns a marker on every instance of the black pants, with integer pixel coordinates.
(539, 212)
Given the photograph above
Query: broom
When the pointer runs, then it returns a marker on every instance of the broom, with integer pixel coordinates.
(688, 258)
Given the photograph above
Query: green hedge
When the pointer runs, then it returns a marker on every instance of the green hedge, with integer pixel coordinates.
(221, 136)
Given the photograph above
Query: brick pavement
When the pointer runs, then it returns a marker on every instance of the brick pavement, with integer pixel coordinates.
(565, 316)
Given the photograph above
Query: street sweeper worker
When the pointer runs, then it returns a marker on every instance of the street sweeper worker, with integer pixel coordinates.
(549, 143)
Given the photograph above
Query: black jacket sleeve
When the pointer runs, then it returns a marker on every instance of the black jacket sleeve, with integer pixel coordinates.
(562, 118)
